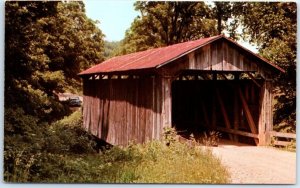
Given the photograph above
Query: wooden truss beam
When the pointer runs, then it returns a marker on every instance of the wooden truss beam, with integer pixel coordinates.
(224, 113)
(236, 132)
(225, 78)
(253, 79)
(248, 114)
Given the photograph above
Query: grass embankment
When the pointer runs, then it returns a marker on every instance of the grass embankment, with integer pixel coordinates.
(69, 156)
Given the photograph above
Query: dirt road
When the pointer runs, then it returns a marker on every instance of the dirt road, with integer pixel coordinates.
(257, 165)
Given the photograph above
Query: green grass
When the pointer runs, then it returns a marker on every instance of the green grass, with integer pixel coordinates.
(64, 153)
(153, 162)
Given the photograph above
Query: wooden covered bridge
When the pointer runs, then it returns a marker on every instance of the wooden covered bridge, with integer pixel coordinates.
(207, 84)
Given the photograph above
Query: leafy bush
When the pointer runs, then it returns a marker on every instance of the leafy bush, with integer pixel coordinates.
(153, 162)
(68, 136)
(22, 138)
(64, 153)
(30, 145)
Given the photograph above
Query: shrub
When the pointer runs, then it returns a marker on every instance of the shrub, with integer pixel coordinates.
(30, 145)
(68, 136)
(22, 138)
(64, 153)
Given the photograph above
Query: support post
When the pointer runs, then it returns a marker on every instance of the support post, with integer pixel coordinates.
(167, 102)
(265, 124)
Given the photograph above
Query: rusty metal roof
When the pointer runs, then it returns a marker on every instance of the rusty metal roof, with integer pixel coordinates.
(155, 58)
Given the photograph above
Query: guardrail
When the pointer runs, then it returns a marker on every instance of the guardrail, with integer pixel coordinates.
(282, 135)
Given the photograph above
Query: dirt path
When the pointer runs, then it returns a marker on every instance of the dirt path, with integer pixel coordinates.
(257, 165)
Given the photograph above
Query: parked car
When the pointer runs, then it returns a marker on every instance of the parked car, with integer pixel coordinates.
(74, 101)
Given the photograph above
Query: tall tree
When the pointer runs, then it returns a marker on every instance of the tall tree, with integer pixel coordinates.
(166, 23)
(272, 26)
(46, 46)
(222, 12)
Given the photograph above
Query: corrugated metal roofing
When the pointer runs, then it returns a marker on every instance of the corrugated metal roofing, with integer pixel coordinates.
(155, 58)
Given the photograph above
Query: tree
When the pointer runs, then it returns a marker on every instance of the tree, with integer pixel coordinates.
(272, 26)
(110, 48)
(222, 12)
(46, 45)
(166, 23)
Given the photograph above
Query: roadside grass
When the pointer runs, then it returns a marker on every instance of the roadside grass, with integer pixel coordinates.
(68, 155)
(153, 162)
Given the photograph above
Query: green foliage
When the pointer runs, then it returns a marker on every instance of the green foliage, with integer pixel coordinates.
(65, 153)
(169, 134)
(111, 48)
(179, 163)
(166, 23)
(272, 26)
(68, 136)
(222, 12)
(46, 45)
(29, 146)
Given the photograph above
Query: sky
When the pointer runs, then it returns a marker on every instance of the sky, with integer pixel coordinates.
(115, 16)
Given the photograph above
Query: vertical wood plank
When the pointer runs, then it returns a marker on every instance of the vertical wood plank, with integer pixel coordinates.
(225, 56)
(262, 116)
(167, 106)
(192, 60)
(269, 118)
(214, 54)
(207, 56)
(153, 109)
(159, 107)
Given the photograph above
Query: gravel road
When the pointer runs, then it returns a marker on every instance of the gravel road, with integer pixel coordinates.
(257, 165)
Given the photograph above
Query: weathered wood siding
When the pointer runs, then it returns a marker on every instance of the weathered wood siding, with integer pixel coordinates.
(138, 107)
(123, 110)
(265, 123)
(223, 56)
(218, 56)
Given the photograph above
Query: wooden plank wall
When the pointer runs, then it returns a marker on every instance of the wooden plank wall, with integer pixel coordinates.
(217, 56)
(223, 56)
(123, 110)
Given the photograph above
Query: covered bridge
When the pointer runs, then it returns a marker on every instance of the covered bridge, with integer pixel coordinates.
(207, 84)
